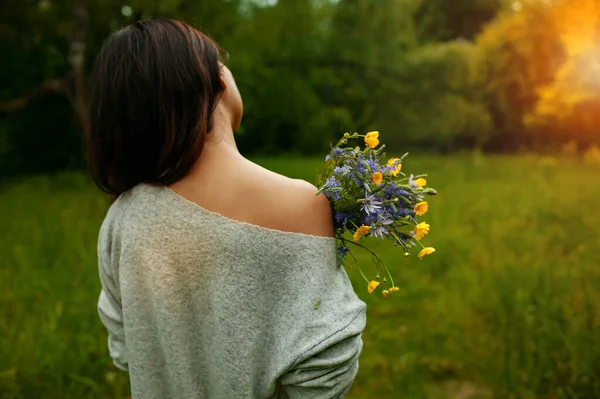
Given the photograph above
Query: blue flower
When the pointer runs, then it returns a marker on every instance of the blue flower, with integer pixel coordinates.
(341, 217)
(360, 163)
(332, 182)
(342, 170)
(341, 254)
(373, 165)
(335, 153)
(360, 166)
(390, 190)
(370, 204)
(404, 212)
(368, 220)
(332, 189)
(393, 191)
(343, 251)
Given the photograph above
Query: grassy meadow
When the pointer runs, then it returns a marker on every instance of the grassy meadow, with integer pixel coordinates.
(508, 306)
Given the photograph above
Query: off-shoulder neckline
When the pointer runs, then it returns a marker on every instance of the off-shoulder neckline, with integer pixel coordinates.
(197, 207)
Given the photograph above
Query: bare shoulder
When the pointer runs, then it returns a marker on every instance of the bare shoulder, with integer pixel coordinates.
(293, 205)
(312, 211)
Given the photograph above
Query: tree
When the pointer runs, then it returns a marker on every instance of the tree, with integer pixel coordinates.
(519, 53)
(569, 105)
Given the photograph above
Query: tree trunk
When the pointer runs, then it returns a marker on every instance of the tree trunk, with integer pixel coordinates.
(78, 92)
(75, 87)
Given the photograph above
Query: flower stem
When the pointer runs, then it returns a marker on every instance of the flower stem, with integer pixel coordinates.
(375, 256)
(365, 277)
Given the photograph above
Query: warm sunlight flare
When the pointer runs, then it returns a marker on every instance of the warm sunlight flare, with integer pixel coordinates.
(575, 82)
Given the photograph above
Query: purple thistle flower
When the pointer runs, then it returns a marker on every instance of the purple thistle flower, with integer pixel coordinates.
(379, 231)
(384, 219)
(370, 204)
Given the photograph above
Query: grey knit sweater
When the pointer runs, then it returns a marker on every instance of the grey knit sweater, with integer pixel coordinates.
(198, 305)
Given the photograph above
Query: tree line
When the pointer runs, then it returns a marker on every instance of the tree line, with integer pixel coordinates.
(436, 75)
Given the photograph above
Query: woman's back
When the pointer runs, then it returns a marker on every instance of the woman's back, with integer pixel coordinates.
(219, 278)
(202, 306)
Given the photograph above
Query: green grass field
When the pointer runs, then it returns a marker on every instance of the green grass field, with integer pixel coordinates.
(508, 306)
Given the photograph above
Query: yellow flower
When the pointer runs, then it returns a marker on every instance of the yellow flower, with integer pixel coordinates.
(361, 231)
(421, 208)
(377, 178)
(395, 161)
(426, 251)
(372, 285)
(394, 289)
(385, 293)
(372, 139)
(421, 182)
(421, 230)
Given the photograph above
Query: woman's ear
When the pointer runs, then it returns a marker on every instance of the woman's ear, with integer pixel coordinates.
(222, 76)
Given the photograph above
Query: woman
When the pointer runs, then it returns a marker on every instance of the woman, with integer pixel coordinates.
(219, 277)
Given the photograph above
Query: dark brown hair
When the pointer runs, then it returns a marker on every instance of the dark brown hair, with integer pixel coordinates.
(155, 86)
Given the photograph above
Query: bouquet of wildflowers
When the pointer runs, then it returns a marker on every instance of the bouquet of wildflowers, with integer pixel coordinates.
(372, 197)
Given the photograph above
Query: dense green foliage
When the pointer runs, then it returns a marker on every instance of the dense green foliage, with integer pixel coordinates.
(508, 305)
(431, 74)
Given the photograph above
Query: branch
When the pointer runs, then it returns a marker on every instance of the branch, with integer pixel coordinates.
(50, 86)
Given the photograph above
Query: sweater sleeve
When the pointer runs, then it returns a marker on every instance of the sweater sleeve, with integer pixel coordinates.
(328, 369)
(111, 317)
(109, 307)
(327, 336)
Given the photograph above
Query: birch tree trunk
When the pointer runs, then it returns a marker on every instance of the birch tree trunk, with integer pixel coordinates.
(78, 82)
